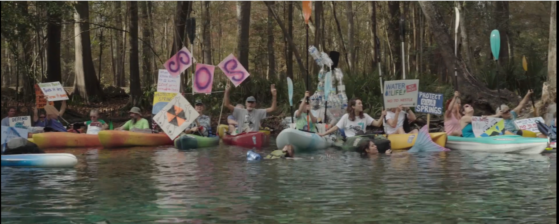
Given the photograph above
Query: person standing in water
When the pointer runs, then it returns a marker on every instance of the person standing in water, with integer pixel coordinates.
(249, 118)
(452, 116)
(355, 122)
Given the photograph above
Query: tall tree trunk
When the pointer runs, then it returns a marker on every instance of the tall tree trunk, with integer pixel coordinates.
(289, 54)
(393, 35)
(243, 25)
(466, 51)
(206, 33)
(552, 52)
(350, 35)
(183, 12)
(344, 48)
(135, 87)
(147, 54)
(476, 92)
(26, 42)
(84, 68)
(502, 24)
(271, 58)
(119, 51)
(54, 34)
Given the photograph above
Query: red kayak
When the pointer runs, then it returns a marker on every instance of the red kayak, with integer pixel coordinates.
(248, 140)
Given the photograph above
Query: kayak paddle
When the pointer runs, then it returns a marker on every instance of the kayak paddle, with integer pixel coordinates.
(525, 66)
(290, 94)
(327, 90)
(495, 40)
(456, 48)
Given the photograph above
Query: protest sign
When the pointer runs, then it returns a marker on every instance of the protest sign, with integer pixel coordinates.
(54, 91)
(160, 100)
(168, 83)
(401, 92)
(486, 126)
(20, 122)
(40, 100)
(176, 116)
(233, 70)
(430, 103)
(12, 132)
(203, 78)
(529, 124)
(179, 62)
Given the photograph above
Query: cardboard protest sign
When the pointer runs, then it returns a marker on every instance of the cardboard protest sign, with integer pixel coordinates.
(40, 100)
(401, 92)
(487, 126)
(179, 62)
(51, 110)
(203, 78)
(168, 83)
(233, 70)
(529, 124)
(20, 122)
(12, 132)
(176, 116)
(54, 91)
(430, 103)
(160, 100)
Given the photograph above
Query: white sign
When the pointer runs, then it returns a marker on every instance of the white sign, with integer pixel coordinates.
(529, 124)
(54, 91)
(168, 83)
(401, 92)
(12, 132)
(20, 122)
(176, 116)
(482, 124)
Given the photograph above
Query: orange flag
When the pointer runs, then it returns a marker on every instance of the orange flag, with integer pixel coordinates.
(307, 10)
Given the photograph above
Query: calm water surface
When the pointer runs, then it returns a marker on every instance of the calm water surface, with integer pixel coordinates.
(218, 185)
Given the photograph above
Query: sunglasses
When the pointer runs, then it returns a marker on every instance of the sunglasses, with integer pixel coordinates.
(251, 102)
(42, 117)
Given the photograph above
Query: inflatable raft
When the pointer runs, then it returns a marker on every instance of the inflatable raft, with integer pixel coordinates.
(47, 160)
(248, 140)
(499, 144)
(397, 141)
(301, 140)
(222, 128)
(51, 140)
(194, 142)
(116, 139)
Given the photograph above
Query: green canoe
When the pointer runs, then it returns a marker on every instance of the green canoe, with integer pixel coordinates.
(195, 142)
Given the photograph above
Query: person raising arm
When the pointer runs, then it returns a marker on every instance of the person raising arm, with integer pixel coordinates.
(302, 116)
(355, 122)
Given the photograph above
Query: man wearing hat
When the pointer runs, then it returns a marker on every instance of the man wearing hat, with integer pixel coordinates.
(509, 116)
(249, 118)
(137, 122)
(202, 125)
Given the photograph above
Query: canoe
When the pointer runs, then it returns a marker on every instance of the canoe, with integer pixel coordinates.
(51, 140)
(222, 128)
(195, 142)
(248, 140)
(397, 141)
(116, 139)
(499, 144)
(301, 140)
(47, 160)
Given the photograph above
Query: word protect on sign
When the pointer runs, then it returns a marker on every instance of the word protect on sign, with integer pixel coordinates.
(430, 103)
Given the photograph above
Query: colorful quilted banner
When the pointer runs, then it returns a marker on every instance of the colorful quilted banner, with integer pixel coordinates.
(176, 116)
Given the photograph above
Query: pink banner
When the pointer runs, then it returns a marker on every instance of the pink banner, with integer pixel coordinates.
(203, 78)
(233, 70)
(179, 62)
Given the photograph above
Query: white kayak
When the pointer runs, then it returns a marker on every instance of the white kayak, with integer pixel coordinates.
(499, 144)
(301, 140)
(47, 160)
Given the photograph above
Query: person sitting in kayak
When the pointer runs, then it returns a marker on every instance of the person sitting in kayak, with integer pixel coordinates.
(304, 119)
(394, 123)
(136, 123)
(78, 128)
(319, 112)
(466, 121)
(249, 118)
(95, 124)
(551, 130)
(202, 125)
(509, 116)
(52, 124)
(355, 122)
(232, 122)
(452, 116)
(39, 118)
(286, 152)
(11, 113)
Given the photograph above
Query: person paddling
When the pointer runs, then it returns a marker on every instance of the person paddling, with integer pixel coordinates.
(509, 116)
(452, 116)
(136, 123)
(249, 118)
(355, 122)
(202, 125)
(304, 119)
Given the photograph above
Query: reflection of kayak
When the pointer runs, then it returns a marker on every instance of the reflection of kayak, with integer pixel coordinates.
(65, 140)
(397, 141)
(222, 128)
(115, 139)
(300, 140)
(195, 142)
(248, 140)
(499, 144)
(51, 160)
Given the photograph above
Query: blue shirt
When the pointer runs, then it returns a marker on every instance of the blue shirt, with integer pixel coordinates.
(509, 123)
(468, 131)
(55, 125)
(40, 123)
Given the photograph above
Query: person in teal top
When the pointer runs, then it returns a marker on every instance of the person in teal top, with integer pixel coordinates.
(137, 122)
(302, 116)
(466, 121)
(509, 116)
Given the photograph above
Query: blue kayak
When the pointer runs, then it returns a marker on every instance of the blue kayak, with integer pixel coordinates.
(499, 144)
(50, 160)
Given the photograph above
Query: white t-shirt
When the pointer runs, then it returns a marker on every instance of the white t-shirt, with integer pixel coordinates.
(351, 128)
(389, 115)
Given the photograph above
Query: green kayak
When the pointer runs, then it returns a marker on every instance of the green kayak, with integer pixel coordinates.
(195, 142)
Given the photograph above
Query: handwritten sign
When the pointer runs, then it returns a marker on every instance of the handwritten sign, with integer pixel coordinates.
(176, 116)
(12, 132)
(203, 78)
(430, 103)
(529, 124)
(160, 100)
(20, 122)
(179, 62)
(168, 83)
(233, 70)
(54, 91)
(486, 126)
(40, 100)
(401, 92)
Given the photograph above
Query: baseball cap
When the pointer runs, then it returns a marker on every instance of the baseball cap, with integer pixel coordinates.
(198, 102)
(251, 99)
(135, 110)
(503, 108)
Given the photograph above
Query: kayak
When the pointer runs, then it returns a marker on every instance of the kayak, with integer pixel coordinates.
(195, 142)
(222, 128)
(51, 140)
(248, 140)
(115, 139)
(47, 160)
(397, 141)
(499, 144)
(301, 140)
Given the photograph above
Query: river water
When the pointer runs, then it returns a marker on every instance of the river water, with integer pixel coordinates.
(218, 185)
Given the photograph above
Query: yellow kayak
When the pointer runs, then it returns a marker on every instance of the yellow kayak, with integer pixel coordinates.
(406, 141)
(222, 128)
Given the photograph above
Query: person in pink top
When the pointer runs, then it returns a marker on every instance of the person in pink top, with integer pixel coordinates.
(452, 116)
